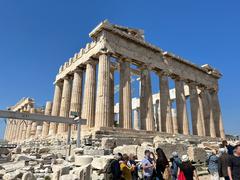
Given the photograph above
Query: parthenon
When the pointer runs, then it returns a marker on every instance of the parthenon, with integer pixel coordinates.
(85, 85)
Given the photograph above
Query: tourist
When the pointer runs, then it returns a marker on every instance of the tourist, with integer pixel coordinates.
(147, 166)
(175, 161)
(126, 170)
(213, 165)
(223, 163)
(234, 164)
(229, 147)
(161, 163)
(113, 171)
(132, 163)
(189, 171)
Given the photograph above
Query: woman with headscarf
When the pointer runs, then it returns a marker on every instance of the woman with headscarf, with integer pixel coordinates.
(161, 163)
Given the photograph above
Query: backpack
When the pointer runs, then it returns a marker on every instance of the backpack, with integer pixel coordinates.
(108, 167)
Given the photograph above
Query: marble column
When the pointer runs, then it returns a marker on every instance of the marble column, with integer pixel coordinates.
(65, 102)
(182, 118)
(208, 113)
(7, 128)
(197, 125)
(13, 130)
(217, 115)
(47, 111)
(76, 97)
(24, 130)
(88, 110)
(103, 92)
(166, 115)
(20, 128)
(33, 125)
(56, 107)
(28, 129)
(146, 102)
(125, 94)
(156, 115)
(136, 119)
(10, 130)
(111, 115)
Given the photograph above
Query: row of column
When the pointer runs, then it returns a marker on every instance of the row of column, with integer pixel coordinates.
(20, 130)
(96, 103)
(100, 114)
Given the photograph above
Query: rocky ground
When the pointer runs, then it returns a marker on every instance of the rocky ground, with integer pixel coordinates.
(53, 159)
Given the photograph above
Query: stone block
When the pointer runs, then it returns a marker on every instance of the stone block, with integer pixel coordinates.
(141, 150)
(97, 152)
(168, 149)
(100, 162)
(197, 154)
(83, 160)
(126, 149)
(28, 176)
(69, 177)
(44, 150)
(63, 169)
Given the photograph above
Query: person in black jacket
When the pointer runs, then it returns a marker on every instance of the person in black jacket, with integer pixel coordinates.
(161, 163)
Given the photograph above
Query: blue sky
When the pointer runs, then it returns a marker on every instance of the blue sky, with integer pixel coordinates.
(36, 37)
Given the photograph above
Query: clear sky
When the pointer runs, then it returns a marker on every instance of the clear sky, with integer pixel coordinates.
(36, 37)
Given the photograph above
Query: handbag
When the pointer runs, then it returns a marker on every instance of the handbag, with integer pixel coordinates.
(181, 176)
(166, 174)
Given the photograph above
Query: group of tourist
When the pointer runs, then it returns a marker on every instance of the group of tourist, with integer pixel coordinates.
(225, 165)
(124, 167)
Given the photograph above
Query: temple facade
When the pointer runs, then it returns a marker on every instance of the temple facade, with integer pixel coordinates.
(84, 86)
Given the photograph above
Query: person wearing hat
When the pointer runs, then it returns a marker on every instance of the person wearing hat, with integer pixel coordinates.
(175, 161)
(187, 168)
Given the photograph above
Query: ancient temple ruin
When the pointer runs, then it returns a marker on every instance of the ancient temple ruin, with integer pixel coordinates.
(85, 85)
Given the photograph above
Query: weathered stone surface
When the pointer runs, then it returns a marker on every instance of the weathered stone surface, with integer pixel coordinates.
(197, 154)
(83, 160)
(78, 151)
(44, 150)
(69, 177)
(96, 176)
(13, 175)
(181, 149)
(127, 149)
(97, 152)
(100, 162)
(28, 176)
(63, 169)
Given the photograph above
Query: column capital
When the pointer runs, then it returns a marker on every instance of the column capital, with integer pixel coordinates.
(91, 61)
(124, 59)
(68, 77)
(78, 70)
(104, 51)
(164, 73)
(145, 66)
